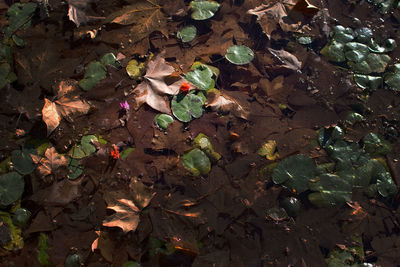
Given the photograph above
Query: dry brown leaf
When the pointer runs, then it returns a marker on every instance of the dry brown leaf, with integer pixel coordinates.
(77, 12)
(126, 214)
(153, 90)
(145, 16)
(271, 87)
(218, 101)
(285, 59)
(127, 206)
(65, 107)
(50, 162)
(270, 16)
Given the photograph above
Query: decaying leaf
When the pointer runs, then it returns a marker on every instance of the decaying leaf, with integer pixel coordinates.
(153, 90)
(127, 206)
(50, 162)
(285, 59)
(271, 16)
(66, 106)
(221, 102)
(77, 12)
(144, 16)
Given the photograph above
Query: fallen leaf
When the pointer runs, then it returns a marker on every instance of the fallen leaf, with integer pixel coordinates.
(65, 107)
(77, 12)
(221, 102)
(50, 162)
(153, 90)
(145, 16)
(142, 194)
(126, 214)
(285, 59)
(271, 16)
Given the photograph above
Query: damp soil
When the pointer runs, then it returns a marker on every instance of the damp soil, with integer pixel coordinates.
(218, 219)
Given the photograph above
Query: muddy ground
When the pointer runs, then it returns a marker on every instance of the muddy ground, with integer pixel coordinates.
(217, 219)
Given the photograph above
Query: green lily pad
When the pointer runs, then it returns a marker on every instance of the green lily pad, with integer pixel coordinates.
(327, 136)
(334, 51)
(341, 34)
(332, 190)
(110, 59)
(74, 260)
(197, 162)
(385, 185)
(11, 188)
(87, 145)
(368, 82)
(294, 172)
(291, 205)
(363, 35)
(196, 64)
(392, 79)
(347, 153)
(203, 142)
(135, 69)
(353, 117)
(201, 76)
(163, 120)
(19, 17)
(21, 217)
(187, 107)
(239, 54)
(94, 73)
(376, 145)
(305, 40)
(356, 51)
(76, 152)
(388, 46)
(22, 161)
(75, 169)
(125, 153)
(372, 63)
(187, 34)
(203, 9)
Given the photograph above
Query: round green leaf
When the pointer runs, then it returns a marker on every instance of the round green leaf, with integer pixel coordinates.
(74, 260)
(327, 136)
(376, 145)
(197, 162)
(277, 214)
(291, 205)
(392, 79)
(203, 9)
(201, 77)
(363, 35)
(75, 169)
(21, 217)
(385, 185)
(22, 161)
(187, 107)
(19, 17)
(353, 117)
(87, 145)
(239, 54)
(11, 187)
(135, 69)
(388, 46)
(294, 172)
(162, 120)
(203, 142)
(110, 59)
(367, 81)
(305, 40)
(342, 34)
(372, 63)
(187, 33)
(334, 51)
(76, 152)
(94, 73)
(355, 51)
(332, 191)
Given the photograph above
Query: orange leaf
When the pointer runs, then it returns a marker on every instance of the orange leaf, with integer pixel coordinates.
(50, 162)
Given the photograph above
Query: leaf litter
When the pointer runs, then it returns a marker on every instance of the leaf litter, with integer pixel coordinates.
(275, 102)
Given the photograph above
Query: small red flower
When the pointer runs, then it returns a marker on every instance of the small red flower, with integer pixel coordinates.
(114, 152)
(185, 87)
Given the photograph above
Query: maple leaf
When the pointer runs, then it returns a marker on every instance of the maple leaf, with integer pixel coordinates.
(50, 162)
(221, 102)
(127, 206)
(145, 16)
(153, 90)
(65, 106)
(271, 16)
